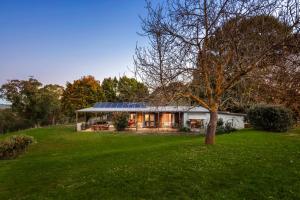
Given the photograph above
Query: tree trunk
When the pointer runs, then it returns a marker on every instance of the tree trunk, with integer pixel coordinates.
(53, 120)
(211, 128)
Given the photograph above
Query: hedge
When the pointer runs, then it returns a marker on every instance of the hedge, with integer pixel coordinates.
(271, 118)
(13, 146)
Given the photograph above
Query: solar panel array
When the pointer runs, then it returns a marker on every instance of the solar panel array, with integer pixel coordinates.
(120, 105)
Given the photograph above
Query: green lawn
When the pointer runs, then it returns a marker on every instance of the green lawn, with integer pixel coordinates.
(68, 165)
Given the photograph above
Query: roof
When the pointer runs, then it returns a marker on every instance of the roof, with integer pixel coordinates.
(143, 107)
(138, 107)
(146, 109)
(120, 105)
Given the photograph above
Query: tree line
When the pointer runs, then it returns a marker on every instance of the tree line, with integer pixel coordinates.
(34, 104)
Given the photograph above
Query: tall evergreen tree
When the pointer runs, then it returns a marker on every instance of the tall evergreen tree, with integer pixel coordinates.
(110, 89)
(129, 89)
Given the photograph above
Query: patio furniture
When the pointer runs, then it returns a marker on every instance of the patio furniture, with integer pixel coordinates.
(99, 127)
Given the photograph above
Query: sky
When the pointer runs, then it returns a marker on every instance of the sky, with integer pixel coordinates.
(62, 40)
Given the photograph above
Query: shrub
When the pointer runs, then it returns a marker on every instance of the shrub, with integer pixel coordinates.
(229, 128)
(220, 122)
(221, 128)
(184, 129)
(271, 118)
(120, 121)
(14, 145)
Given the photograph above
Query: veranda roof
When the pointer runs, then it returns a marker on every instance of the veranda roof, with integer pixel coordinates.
(143, 107)
(139, 107)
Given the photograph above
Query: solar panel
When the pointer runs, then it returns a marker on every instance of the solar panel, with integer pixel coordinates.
(119, 105)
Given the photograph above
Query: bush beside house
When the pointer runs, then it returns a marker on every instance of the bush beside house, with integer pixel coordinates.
(184, 129)
(271, 118)
(120, 121)
(224, 128)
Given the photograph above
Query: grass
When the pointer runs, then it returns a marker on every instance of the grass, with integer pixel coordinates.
(68, 165)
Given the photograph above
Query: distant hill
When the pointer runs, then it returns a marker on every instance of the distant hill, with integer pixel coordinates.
(4, 106)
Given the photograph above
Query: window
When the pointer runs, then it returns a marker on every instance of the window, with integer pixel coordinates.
(196, 123)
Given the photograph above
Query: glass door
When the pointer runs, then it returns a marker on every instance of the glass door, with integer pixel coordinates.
(149, 120)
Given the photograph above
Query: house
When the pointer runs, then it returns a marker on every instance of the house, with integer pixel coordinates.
(143, 117)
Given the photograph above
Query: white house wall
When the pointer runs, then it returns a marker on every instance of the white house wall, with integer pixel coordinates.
(236, 120)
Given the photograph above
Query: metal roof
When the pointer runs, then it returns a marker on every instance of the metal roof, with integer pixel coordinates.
(120, 105)
(139, 107)
(142, 107)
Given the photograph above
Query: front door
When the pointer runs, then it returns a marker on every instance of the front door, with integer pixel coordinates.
(149, 120)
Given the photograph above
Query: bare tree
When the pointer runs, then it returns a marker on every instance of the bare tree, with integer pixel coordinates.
(157, 65)
(211, 39)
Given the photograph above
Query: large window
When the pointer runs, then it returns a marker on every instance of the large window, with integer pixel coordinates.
(196, 123)
(149, 120)
(167, 120)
